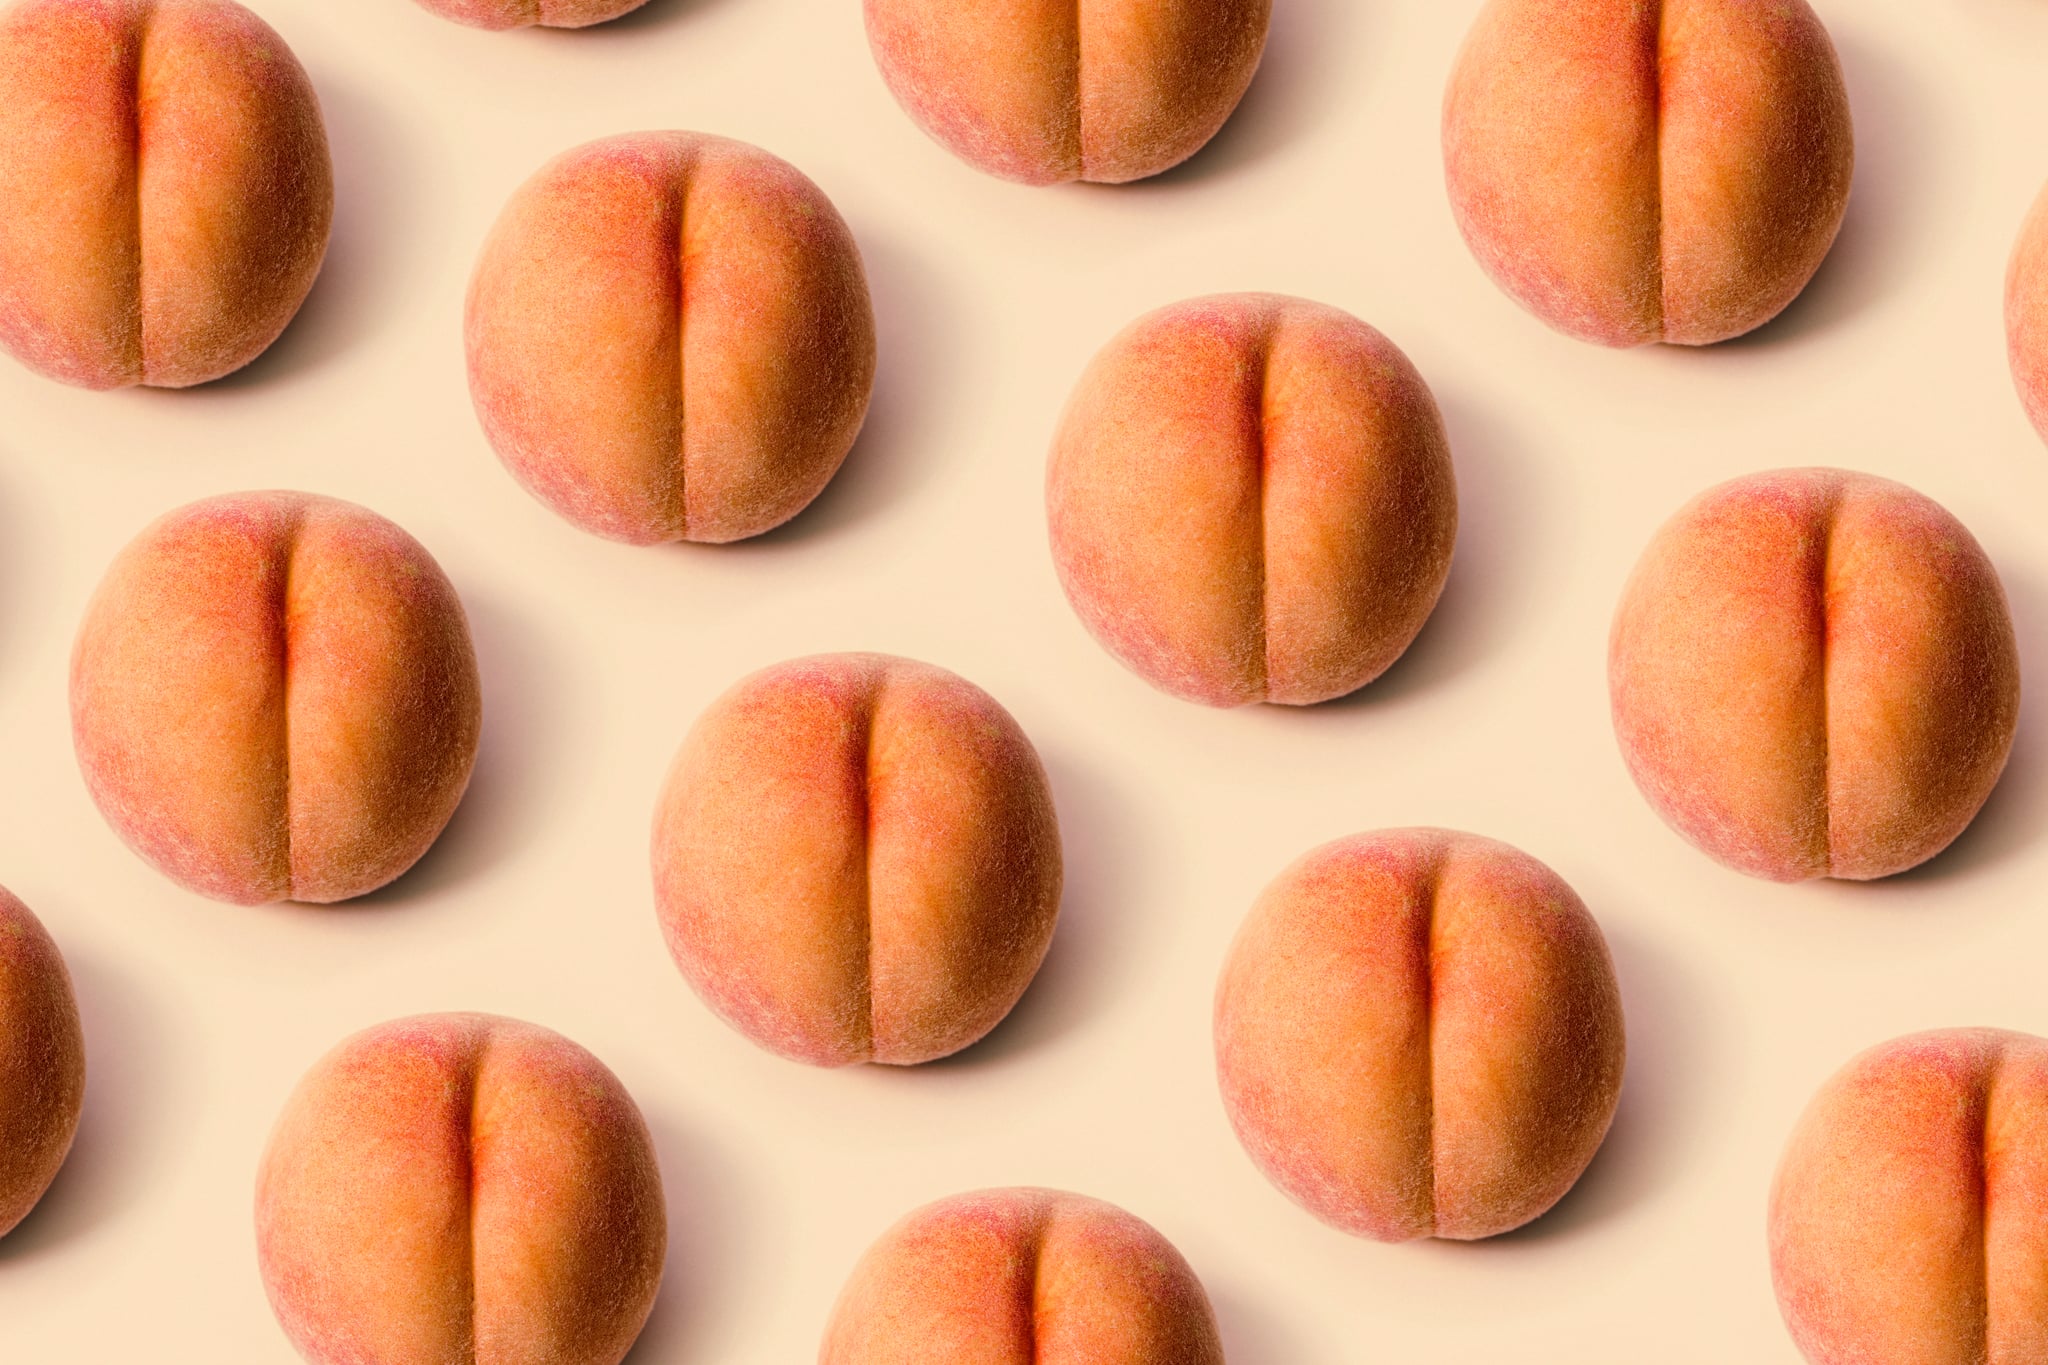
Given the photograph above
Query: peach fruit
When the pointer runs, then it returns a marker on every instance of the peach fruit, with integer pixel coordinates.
(670, 338)
(460, 1188)
(1649, 170)
(2026, 314)
(1418, 1034)
(856, 860)
(1048, 91)
(42, 1061)
(1001, 1276)
(1906, 1220)
(165, 191)
(501, 14)
(273, 696)
(1251, 499)
(1813, 674)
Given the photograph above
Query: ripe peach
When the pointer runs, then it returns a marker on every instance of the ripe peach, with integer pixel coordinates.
(165, 191)
(273, 696)
(1813, 674)
(460, 1187)
(1418, 1034)
(1000, 1276)
(670, 338)
(1046, 91)
(1251, 499)
(501, 14)
(1906, 1220)
(1649, 170)
(856, 860)
(42, 1061)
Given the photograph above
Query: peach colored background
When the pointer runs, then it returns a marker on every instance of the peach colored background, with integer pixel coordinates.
(1741, 996)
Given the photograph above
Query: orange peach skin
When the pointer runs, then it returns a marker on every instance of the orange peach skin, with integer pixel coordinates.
(273, 696)
(1634, 171)
(1047, 91)
(1418, 1034)
(165, 189)
(502, 14)
(42, 1061)
(1813, 674)
(2026, 314)
(1909, 1217)
(1251, 499)
(856, 859)
(460, 1188)
(1022, 1277)
(670, 338)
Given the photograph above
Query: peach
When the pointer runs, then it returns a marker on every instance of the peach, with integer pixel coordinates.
(1251, 499)
(1418, 1034)
(460, 1187)
(1634, 171)
(501, 14)
(1048, 91)
(2026, 314)
(670, 338)
(165, 191)
(1909, 1217)
(856, 860)
(1813, 674)
(42, 1061)
(273, 696)
(1004, 1276)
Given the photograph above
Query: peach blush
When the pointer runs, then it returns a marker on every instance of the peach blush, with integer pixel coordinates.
(1419, 1034)
(1001, 1276)
(670, 338)
(856, 859)
(461, 1188)
(196, 192)
(1813, 674)
(1250, 498)
(1635, 172)
(273, 696)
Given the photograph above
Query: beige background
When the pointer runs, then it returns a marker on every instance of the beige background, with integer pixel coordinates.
(1741, 996)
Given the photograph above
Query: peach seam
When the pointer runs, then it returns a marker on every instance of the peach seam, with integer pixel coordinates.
(1039, 1232)
(472, 1076)
(1080, 129)
(1984, 1203)
(141, 162)
(680, 210)
(1827, 752)
(1657, 145)
(1431, 889)
(294, 531)
(1260, 424)
(866, 975)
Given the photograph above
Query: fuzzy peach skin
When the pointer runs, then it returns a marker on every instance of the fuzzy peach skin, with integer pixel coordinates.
(1909, 1217)
(856, 859)
(1022, 1277)
(1048, 91)
(1634, 171)
(42, 1061)
(2026, 314)
(460, 1189)
(502, 14)
(670, 338)
(1812, 674)
(165, 190)
(1419, 1034)
(1250, 498)
(273, 696)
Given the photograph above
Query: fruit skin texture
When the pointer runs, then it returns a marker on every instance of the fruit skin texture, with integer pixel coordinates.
(1909, 1218)
(503, 14)
(1250, 498)
(670, 338)
(2026, 314)
(1634, 171)
(1419, 1034)
(856, 859)
(274, 697)
(1001, 1277)
(42, 1061)
(165, 189)
(460, 1188)
(1050, 91)
(1813, 674)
